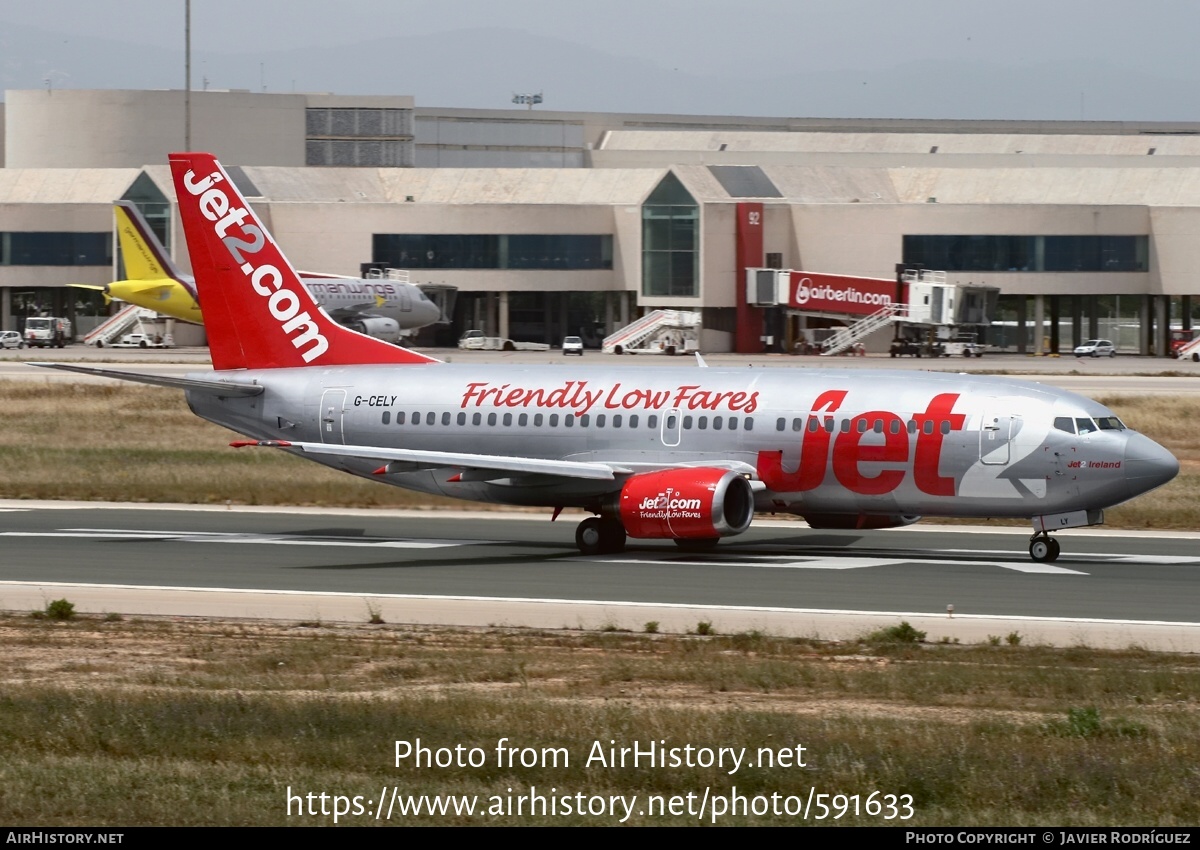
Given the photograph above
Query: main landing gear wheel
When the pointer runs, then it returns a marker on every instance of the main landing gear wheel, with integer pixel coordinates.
(1043, 547)
(597, 536)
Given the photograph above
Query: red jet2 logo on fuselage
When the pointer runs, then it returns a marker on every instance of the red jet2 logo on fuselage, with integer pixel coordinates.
(267, 280)
(849, 453)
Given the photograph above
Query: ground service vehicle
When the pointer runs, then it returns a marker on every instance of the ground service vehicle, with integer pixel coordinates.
(686, 454)
(47, 331)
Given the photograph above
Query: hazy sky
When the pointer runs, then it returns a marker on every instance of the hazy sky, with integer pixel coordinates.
(918, 58)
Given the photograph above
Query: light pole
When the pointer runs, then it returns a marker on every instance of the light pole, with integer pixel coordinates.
(528, 99)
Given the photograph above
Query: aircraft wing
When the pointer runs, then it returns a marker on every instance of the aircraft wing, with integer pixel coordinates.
(467, 462)
(352, 311)
(224, 389)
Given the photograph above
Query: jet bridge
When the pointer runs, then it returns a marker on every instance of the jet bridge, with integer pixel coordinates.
(865, 305)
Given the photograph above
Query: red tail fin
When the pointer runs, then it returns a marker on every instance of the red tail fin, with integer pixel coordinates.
(257, 313)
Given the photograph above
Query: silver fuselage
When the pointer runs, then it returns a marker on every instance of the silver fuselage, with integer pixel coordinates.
(819, 441)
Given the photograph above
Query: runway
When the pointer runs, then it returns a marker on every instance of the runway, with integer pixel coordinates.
(1107, 589)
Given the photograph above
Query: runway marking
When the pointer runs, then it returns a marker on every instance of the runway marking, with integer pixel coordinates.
(247, 537)
(781, 562)
(1102, 557)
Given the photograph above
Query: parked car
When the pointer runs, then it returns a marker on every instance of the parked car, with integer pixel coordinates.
(1096, 348)
(11, 339)
(905, 348)
(572, 345)
(137, 340)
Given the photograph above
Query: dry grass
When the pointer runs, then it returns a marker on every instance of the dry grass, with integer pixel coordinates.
(133, 443)
(142, 444)
(200, 722)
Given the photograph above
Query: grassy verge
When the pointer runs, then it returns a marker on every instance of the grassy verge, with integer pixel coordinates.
(142, 444)
(126, 722)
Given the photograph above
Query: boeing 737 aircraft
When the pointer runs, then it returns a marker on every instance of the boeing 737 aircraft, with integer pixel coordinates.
(687, 454)
(382, 308)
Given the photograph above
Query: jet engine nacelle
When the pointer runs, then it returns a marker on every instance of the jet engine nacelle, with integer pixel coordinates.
(387, 330)
(859, 521)
(701, 503)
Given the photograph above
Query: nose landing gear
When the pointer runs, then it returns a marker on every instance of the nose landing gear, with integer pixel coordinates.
(1043, 547)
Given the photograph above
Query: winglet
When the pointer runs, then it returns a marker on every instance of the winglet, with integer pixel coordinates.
(257, 313)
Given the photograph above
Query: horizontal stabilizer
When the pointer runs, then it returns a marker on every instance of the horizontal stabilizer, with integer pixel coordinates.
(224, 389)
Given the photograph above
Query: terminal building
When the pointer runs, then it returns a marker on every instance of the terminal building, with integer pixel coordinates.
(551, 223)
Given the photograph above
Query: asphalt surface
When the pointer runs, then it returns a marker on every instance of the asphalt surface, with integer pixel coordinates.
(1106, 588)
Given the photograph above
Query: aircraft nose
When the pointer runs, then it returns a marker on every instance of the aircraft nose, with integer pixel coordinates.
(1147, 465)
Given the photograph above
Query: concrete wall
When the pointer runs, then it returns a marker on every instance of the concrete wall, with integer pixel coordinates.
(116, 129)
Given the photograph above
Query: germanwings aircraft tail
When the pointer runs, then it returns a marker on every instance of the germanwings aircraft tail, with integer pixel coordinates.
(258, 313)
(141, 250)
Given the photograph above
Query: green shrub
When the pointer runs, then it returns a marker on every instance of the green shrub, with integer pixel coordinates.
(903, 633)
(60, 609)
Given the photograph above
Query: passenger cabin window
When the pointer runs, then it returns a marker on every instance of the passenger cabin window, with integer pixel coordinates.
(400, 418)
(446, 418)
(387, 417)
(462, 418)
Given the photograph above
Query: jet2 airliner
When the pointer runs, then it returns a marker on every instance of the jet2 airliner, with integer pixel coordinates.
(685, 454)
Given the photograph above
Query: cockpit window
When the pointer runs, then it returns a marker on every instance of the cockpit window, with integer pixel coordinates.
(1064, 423)
(1110, 423)
(1085, 426)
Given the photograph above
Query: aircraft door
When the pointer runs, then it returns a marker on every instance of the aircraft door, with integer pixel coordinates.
(405, 300)
(995, 435)
(333, 405)
(670, 427)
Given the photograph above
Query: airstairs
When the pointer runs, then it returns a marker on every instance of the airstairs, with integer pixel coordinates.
(845, 337)
(643, 334)
(118, 324)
